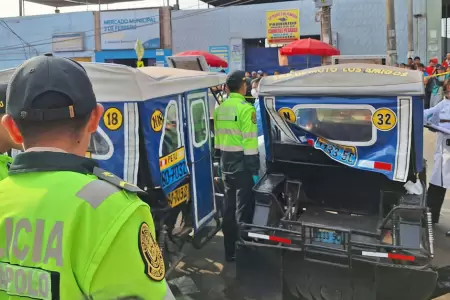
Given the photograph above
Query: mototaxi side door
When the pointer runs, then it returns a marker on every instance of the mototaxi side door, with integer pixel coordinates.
(199, 151)
(163, 129)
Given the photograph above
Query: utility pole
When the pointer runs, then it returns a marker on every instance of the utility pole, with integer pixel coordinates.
(20, 7)
(410, 29)
(390, 32)
(325, 25)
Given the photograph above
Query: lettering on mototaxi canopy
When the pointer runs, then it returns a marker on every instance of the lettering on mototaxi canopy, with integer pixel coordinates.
(376, 71)
(179, 195)
(25, 281)
(173, 167)
(346, 155)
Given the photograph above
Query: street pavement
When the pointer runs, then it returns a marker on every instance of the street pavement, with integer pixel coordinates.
(204, 275)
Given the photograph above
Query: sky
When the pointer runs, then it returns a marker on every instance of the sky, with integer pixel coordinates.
(10, 8)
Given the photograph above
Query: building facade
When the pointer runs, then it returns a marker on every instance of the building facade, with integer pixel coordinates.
(359, 28)
(69, 35)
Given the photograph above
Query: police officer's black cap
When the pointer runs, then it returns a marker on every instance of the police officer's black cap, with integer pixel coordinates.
(46, 88)
(235, 78)
(3, 98)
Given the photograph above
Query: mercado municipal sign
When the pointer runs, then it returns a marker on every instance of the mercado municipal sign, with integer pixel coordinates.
(343, 70)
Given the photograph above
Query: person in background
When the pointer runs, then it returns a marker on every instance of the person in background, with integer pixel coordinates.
(276, 73)
(396, 65)
(436, 83)
(416, 60)
(446, 62)
(82, 218)
(254, 75)
(236, 139)
(255, 85)
(403, 66)
(440, 177)
(260, 73)
(265, 74)
(432, 65)
(261, 144)
(6, 144)
(410, 61)
(247, 74)
(421, 68)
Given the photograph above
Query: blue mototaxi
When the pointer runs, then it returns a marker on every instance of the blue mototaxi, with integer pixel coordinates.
(335, 217)
(155, 134)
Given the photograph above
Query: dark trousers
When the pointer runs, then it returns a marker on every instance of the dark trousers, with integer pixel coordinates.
(435, 198)
(239, 206)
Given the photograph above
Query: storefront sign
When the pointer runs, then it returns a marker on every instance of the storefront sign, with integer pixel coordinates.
(68, 42)
(222, 52)
(121, 29)
(283, 26)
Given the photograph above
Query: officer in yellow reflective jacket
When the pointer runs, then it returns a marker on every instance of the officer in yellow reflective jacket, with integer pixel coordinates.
(6, 144)
(67, 228)
(236, 137)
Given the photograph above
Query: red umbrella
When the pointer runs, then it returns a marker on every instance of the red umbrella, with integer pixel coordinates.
(309, 47)
(211, 59)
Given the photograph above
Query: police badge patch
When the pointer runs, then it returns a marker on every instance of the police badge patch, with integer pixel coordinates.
(254, 117)
(151, 254)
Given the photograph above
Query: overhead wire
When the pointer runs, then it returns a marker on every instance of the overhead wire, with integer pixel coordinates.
(198, 12)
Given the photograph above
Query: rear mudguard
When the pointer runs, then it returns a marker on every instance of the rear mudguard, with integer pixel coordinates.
(282, 274)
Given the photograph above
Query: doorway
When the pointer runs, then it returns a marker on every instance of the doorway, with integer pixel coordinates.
(260, 57)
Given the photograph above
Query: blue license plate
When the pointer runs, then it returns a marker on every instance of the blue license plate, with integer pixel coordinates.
(328, 237)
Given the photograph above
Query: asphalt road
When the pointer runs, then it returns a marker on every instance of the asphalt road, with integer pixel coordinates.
(203, 274)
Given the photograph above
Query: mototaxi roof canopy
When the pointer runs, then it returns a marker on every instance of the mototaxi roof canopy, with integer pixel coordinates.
(355, 79)
(119, 83)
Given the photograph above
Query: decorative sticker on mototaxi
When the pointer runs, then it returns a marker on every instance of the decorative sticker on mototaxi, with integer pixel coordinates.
(113, 118)
(179, 195)
(157, 120)
(346, 155)
(173, 167)
(384, 119)
(287, 114)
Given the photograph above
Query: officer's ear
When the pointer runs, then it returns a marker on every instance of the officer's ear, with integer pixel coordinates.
(13, 130)
(95, 117)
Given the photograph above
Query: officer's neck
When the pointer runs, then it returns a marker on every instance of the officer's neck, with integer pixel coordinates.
(57, 147)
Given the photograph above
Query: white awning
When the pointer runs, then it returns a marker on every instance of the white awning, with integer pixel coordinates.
(119, 83)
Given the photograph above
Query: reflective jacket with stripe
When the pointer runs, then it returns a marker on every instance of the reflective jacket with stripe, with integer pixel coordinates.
(236, 135)
(4, 164)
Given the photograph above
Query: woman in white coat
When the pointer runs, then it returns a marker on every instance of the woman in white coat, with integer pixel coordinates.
(440, 177)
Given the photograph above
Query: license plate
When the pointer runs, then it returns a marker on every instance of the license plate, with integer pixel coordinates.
(328, 237)
(179, 195)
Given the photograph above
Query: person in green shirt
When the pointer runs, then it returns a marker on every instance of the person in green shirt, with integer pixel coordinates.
(68, 229)
(6, 144)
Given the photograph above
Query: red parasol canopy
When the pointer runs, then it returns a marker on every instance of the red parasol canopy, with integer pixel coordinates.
(309, 47)
(211, 59)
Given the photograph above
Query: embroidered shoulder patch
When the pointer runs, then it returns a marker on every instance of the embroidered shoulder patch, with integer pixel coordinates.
(151, 254)
(254, 117)
(117, 181)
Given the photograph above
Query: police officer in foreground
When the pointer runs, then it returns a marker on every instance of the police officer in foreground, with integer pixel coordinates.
(236, 138)
(68, 228)
(6, 144)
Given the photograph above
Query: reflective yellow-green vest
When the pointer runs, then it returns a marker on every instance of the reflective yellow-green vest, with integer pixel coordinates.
(4, 162)
(236, 134)
(65, 235)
